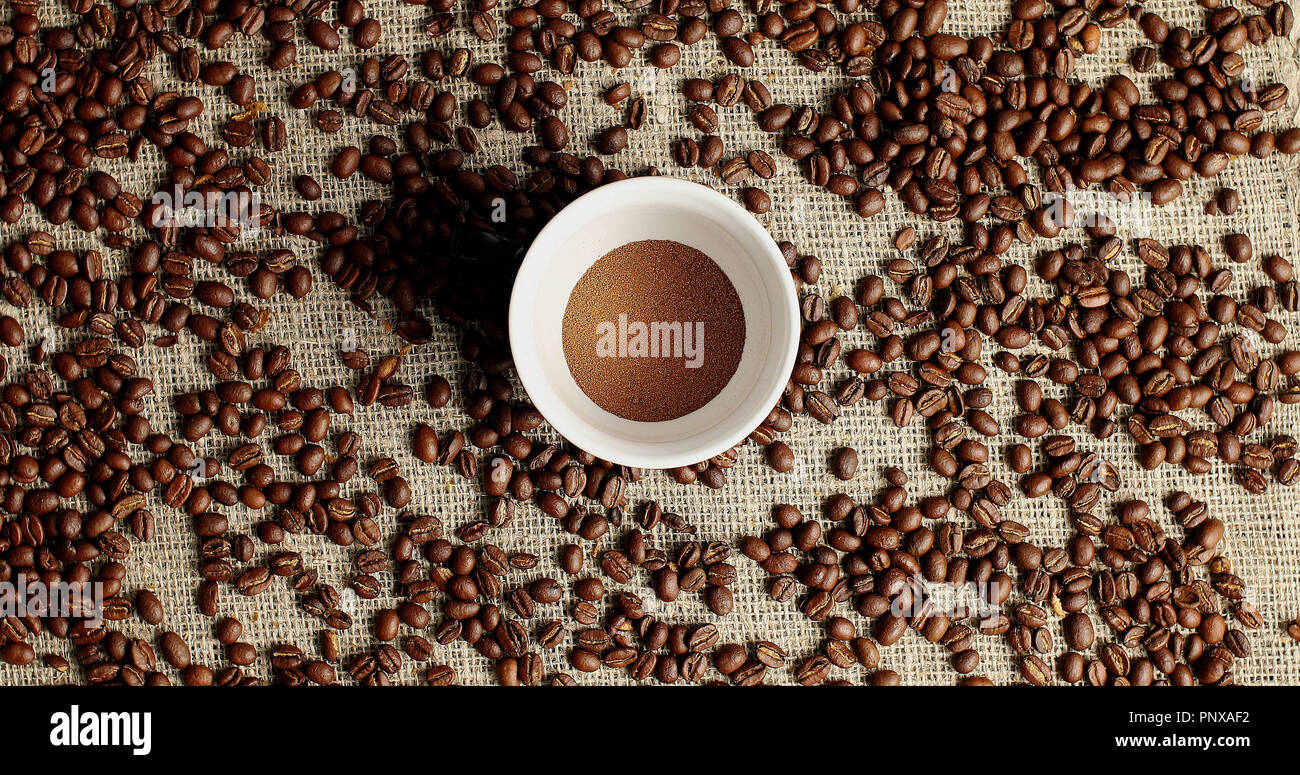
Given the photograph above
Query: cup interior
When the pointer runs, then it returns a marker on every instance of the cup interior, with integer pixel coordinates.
(654, 209)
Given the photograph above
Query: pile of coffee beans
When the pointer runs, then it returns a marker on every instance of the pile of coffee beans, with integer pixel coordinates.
(946, 122)
(1158, 595)
(981, 131)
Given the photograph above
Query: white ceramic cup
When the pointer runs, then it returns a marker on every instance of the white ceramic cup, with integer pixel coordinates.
(654, 208)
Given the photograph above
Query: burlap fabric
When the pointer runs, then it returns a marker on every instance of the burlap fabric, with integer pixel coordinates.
(1263, 538)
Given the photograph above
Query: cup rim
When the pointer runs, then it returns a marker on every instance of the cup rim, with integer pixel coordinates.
(544, 250)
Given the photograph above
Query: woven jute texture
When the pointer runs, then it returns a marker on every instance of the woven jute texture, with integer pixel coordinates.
(1263, 532)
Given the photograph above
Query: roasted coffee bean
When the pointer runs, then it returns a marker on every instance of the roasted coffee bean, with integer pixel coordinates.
(612, 140)
(756, 200)
(844, 463)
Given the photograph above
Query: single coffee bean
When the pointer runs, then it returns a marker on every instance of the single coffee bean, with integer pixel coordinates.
(756, 200)
(844, 463)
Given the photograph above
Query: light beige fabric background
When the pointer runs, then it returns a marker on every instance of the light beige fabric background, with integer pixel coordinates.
(1263, 537)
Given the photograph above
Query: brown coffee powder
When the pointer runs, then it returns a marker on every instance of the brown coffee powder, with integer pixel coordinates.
(653, 331)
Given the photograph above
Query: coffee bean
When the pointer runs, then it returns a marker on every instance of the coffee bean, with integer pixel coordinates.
(697, 89)
(756, 200)
(1238, 247)
(844, 463)
(734, 171)
(762, 164)
(617, 93)
(686, 153)
(149, 607)
(322, 35)
(308, 188)
(425, 443)
(612, 140)
(175, 650)
(780, 457)
(553, 134)
(346, 162)
(704, 118)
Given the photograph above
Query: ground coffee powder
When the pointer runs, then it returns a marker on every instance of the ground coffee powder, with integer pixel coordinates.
(653, 331)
